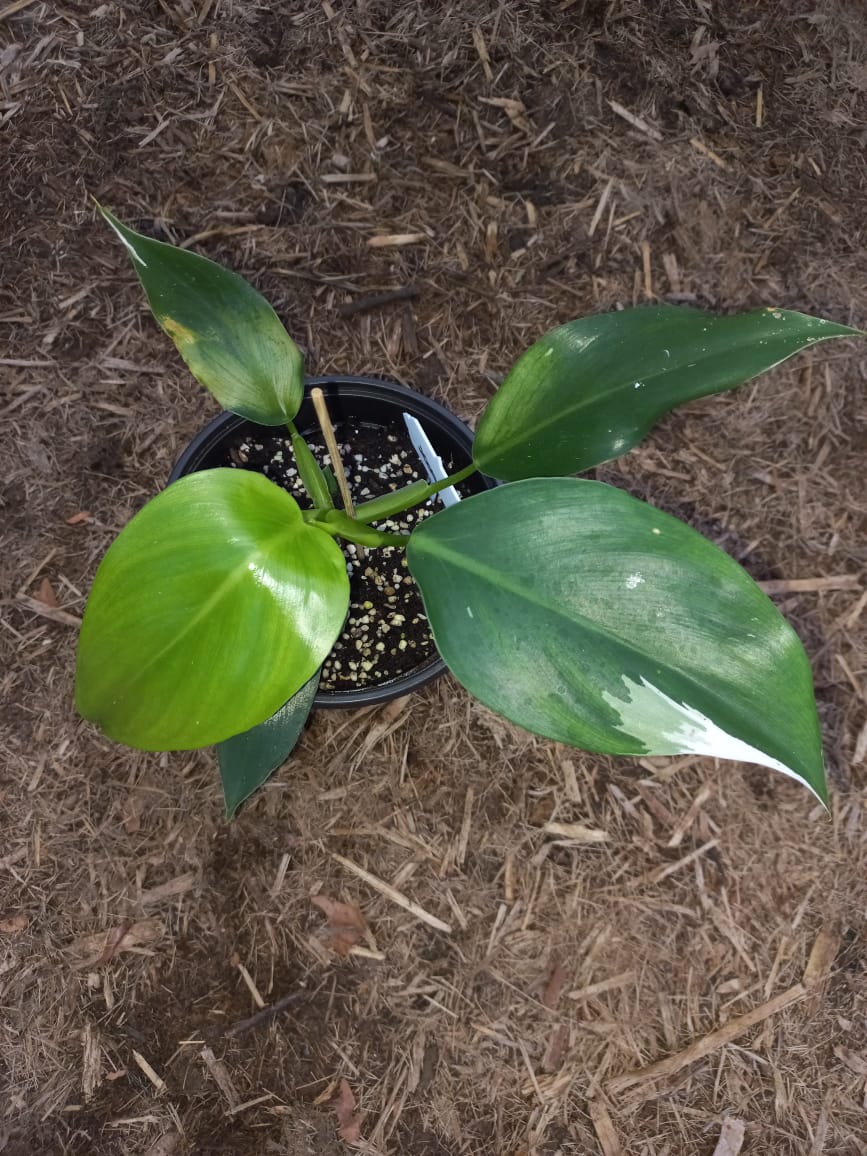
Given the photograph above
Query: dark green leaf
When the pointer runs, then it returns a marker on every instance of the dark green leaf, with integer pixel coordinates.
(589, 617)
(215, 604)
(247, 760)
(226, 332)
(591, 390)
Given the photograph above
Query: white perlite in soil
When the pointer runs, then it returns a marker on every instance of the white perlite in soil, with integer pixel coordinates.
(386, 631)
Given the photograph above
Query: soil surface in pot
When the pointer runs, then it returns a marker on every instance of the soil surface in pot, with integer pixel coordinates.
(386, 633)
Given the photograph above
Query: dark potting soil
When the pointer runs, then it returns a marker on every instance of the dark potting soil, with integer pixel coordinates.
(386, 633)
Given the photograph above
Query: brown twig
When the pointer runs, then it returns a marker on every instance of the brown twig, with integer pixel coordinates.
(377, 300)
(267, 1013)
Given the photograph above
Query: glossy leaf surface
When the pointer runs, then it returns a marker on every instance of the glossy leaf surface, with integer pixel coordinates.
(215, 604)
(248, 759)
(231, 339)
(591, 389)
(594, 619)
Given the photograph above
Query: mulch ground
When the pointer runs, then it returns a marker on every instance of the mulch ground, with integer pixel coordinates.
(642, 957)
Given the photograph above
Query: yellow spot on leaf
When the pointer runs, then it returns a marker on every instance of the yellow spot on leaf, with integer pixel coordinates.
(178, 333)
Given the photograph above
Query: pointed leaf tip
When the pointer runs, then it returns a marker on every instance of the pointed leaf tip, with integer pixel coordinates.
(247, 760)
(591, 618)
(591, 389)
(231, 339)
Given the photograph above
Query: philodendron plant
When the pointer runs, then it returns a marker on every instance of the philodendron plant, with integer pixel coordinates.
(564, 604)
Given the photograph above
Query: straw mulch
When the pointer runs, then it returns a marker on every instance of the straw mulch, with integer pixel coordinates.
(656, 958)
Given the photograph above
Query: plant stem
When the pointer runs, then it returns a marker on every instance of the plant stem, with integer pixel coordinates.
(415, 496)
(338, 524)
(454, 479)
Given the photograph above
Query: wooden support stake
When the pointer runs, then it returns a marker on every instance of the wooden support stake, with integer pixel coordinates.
(318, 399)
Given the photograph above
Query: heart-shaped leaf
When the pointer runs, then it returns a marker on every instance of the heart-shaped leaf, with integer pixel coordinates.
(248, 759)
(590, 390)
(231, 339)
(594, 619)
(215, 604)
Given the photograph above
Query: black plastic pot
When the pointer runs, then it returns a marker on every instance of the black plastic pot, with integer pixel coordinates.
(369, 401)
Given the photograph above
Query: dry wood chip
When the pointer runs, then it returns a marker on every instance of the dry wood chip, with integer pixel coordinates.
(636, 121)
(165, 1145)
(689, 818)
(554, 986)
(700, 147)
(447, 168)
(823, 954)
(854, 1062)
(14, 925)
(157, 1081)
(248, 980)
(90, 950)
(860, 745)
(556, 1049)
(52, 612)
(91, 1062)
(180, 885)
(15, 6)
(731, 1137)
(221, 1077)
(345, 923)
(482, 49)
(576, 832)
(514, 110)
(660, 873)
(600, 208)
(810, 585)
(711, 1042)
(821, 960)
(348, 178)
(603, 1125)
(394, 895)
(603, 985)
(395, 240)
(348, 1120)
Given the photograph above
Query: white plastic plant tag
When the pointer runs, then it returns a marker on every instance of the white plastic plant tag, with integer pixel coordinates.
(432, 462)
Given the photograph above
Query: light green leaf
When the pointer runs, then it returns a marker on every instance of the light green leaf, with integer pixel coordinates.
(231, 339)
(248, 759)
(590, 390)
(589, 617)
(215, 604)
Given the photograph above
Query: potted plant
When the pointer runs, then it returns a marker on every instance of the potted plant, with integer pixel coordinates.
(566, 605)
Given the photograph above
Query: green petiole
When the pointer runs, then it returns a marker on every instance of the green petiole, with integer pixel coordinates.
(338, 524)
(415, 494)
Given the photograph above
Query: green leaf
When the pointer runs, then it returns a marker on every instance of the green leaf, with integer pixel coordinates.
(231, 339)
(248, 759)
(594, 619)
(215, 604)
(590, 390)
(309, 470)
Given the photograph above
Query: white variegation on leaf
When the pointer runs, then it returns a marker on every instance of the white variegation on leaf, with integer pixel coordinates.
(667, 727)
(594, 619)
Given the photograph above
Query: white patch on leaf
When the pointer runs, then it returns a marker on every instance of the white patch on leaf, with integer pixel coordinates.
(634, 580)
(128, 245)
(667, 727)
